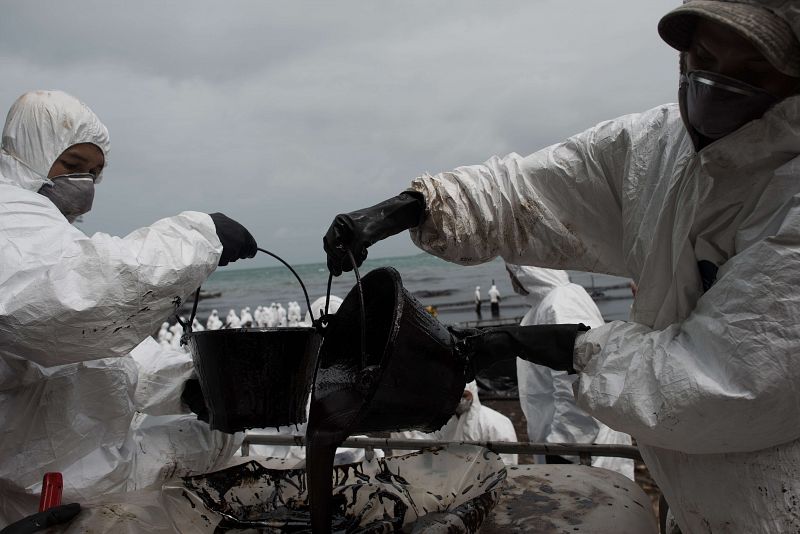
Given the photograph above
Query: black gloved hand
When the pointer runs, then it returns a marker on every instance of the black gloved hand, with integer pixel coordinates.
(237, 242)
(192, 396)
(548, 345)
(40, 521)
(357, 230)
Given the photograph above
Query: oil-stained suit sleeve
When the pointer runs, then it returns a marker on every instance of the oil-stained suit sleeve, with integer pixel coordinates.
(67, 297)
(524, 208)
(693, 386)
(726, 379)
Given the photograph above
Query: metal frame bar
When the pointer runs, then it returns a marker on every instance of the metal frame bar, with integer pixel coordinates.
(584, 451)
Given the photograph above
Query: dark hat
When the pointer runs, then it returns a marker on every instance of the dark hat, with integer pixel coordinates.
(765, 23)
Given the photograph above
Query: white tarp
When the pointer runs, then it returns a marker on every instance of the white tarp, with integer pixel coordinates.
(450, 488)
(377, 495)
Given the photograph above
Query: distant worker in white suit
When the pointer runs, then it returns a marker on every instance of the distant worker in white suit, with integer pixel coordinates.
(472, 421)
(214, 322)
(246, 318)
(545, 394)
(281, 312)
(318, 308)
(232, 320)
(494, 300)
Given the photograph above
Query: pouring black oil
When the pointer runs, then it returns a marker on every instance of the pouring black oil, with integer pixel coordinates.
(385, 365)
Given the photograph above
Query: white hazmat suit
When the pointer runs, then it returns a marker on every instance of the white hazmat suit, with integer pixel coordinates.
(318, 308)
(246, 318)
(494, 294)
(478, 423)
(164, 335)
(213, 322)
(705, 382)
(546, 396)
(281, 315)
(232, 320)
(72, 307)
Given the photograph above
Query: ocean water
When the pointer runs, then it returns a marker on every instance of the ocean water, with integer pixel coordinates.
(431, 280)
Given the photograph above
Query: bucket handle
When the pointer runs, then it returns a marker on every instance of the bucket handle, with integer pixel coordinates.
(362, 308)
(187, 326)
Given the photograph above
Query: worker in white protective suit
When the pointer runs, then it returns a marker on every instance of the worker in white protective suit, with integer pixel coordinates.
(232, 320)
(471, 422)
(164, 336)
(177, 333)
(494, 300)
(546, 395)
(318, 308)
(698, 203)
(72, 308)
(213, 322)
(246, 318)
(281, 315)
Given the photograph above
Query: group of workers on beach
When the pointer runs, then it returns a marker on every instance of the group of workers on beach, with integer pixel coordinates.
(697, 202)
(494, 300)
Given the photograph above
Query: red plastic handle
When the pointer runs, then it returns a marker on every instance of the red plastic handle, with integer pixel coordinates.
(52, 484)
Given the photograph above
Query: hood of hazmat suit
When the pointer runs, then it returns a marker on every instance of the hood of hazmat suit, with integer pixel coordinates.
(478, 423)
(72, 307)
(59, 121)
(318, 307)
(546, 396)
(705, 375)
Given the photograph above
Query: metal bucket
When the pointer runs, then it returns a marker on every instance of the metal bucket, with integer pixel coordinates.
(255, 377)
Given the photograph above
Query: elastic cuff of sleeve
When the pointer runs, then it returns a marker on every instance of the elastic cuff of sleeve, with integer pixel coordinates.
(584, 351)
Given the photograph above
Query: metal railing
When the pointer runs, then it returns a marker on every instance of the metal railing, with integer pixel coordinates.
(584, 451)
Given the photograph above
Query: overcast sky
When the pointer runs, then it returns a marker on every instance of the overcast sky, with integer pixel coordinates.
(282, 114)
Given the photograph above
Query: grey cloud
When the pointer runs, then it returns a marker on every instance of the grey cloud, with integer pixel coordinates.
(284, 114)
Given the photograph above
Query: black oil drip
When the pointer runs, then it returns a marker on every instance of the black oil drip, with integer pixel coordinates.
(333, 415)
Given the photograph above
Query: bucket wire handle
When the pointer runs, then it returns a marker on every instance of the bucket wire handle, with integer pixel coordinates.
(305, 293)
(362, 314)
(328, 294)
(362, 310)
(187, 326)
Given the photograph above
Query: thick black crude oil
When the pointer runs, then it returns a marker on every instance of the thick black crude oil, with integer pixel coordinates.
(334, 411)
(405, 376)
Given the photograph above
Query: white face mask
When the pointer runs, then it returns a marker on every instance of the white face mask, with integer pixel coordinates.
(72, 194)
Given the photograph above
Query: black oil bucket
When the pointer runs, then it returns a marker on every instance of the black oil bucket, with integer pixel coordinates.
(409, 375)
(255, 377)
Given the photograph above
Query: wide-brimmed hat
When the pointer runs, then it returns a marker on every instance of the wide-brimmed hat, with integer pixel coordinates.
(761, 22)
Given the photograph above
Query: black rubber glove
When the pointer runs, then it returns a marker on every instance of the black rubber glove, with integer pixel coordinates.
(548, 345)
(192, 396)
(40, 521)
(237, 242)
(358, 230)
